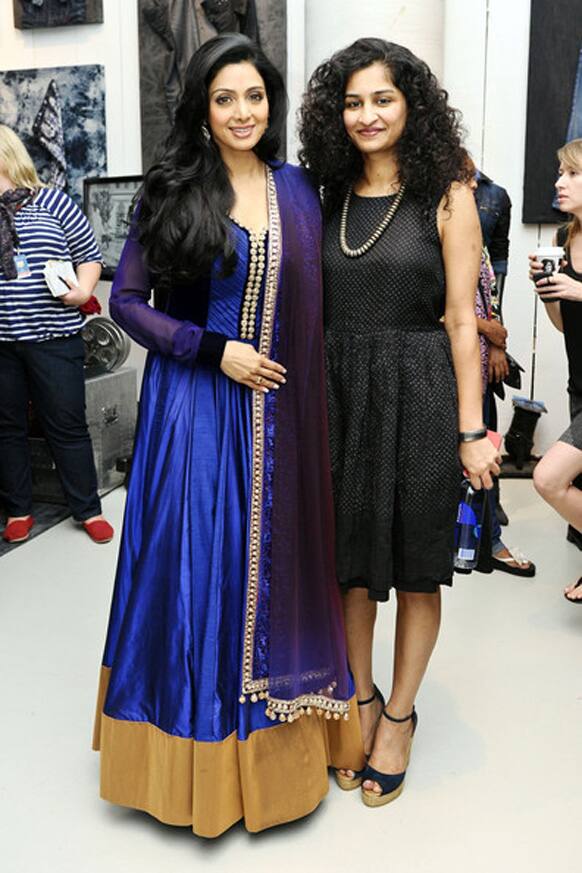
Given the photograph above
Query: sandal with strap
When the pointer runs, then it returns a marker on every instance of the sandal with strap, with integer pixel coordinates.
(574, 599)
(524, 567)
(344, 782)
(392, 784)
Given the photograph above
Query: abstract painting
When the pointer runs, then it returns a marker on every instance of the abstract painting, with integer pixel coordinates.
(170, 31)
(59, 113)
(107, 203)
(554, 101)
(56, 13)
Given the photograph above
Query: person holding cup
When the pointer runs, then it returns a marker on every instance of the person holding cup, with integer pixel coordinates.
(558, 282)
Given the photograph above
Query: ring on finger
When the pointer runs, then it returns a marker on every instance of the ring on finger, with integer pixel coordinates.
(259, 380)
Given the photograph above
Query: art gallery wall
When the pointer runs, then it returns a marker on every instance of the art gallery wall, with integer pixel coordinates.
(480, 46)
(486, 50)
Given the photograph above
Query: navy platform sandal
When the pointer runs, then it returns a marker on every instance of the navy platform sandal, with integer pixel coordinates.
(344, 782)
(392, 784)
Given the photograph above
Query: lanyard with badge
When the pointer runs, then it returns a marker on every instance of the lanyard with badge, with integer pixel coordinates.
(23, 270)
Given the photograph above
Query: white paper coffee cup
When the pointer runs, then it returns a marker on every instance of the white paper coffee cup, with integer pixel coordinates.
(550, 257)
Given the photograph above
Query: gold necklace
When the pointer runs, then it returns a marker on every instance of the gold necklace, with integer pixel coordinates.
(365, 247)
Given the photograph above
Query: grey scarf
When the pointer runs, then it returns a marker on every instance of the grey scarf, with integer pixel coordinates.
(10, 201)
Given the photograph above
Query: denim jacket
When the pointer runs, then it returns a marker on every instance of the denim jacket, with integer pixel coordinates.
(494, 208)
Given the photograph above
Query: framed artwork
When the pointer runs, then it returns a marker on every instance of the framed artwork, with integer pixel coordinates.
(554, 101)
(107, 202)
(59, 113)
(56, 13)
(170, 31)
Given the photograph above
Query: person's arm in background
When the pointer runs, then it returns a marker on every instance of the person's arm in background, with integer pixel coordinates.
(88, 275)
(83, 249)
(499, 245)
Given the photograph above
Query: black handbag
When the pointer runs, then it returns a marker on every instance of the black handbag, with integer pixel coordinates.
(513, 378)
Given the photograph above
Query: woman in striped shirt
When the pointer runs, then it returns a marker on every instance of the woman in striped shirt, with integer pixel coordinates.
(41, 350)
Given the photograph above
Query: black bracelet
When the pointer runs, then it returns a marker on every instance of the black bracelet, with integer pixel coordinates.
(471, 436)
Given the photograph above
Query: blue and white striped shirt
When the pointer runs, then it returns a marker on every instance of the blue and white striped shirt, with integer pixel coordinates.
(50, 226)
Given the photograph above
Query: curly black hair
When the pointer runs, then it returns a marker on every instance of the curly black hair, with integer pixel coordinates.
(430, 152)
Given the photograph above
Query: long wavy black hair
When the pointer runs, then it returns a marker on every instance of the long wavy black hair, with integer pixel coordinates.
(187, 195)
(429, 152)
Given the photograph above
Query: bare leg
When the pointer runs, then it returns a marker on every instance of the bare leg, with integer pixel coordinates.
(553, 478)
(360, 617)
(417, 627)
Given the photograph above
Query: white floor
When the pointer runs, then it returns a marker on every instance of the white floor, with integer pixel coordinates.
(495, 783)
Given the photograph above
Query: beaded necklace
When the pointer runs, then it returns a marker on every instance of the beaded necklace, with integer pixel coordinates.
(365, 247)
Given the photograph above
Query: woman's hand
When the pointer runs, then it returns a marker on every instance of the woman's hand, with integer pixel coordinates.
(535, 266)
(498, 366)
(242, 363)
(559, 286)
(480, 459)
(76, 296)
(496, 333)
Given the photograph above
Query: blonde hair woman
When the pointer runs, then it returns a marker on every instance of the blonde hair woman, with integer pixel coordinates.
(41, 351)
(15, 158)
(562, 294)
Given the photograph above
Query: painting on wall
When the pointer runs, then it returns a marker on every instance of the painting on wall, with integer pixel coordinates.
(554, 101)
(107, 204)
(56, 13)
(59, 113)
(170, 31)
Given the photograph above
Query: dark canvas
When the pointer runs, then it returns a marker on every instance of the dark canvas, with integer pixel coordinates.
(555, 43)
(56, 13)
(59, 113)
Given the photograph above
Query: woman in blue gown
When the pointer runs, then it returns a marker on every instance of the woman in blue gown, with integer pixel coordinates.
(225, 625)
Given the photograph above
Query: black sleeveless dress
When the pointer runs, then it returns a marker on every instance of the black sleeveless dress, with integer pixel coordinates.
(571, 311)
(392, 402)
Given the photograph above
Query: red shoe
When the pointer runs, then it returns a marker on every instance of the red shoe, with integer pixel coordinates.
(19, 530)
(99, 530)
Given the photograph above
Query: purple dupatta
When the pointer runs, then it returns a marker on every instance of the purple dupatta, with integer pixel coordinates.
(294, 655)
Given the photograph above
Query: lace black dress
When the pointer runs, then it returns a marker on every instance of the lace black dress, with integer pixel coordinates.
(392, 402)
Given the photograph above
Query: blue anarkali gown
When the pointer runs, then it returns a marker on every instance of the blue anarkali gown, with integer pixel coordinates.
(187, 731)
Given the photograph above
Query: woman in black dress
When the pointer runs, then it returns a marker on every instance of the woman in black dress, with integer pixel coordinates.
(556, 473)
(402, 249)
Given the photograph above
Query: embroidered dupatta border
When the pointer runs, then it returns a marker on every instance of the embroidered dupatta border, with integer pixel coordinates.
(258, 689)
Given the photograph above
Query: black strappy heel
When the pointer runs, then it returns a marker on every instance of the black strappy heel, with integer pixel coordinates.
(344, 782)
(392, 784)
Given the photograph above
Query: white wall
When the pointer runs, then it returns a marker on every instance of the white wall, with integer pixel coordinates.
(485, 72)
(333, 24)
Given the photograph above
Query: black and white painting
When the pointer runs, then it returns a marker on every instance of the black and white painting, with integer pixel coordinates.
(59, 113)
(107, 204)
(170, 31)
(56, 13)
(554, 101)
